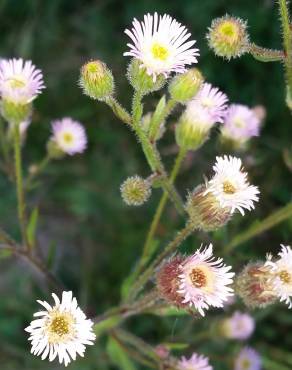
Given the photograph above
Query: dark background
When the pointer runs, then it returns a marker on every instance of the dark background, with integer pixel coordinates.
(91, 237)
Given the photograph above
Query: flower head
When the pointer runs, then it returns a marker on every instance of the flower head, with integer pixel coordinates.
(69, 136)
(213, 100)
(61, 330)
(204, 281)
(160, 43)
(135, 191)
(281, 274)
(20, 81)
(248, 359)
(230, 185)
(238, 326)
(195, 362)
(240, 124)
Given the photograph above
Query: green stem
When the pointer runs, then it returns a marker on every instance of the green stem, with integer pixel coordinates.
(40, 167)
(19, 183)
(162, 111)
(287, 44)
(260, 226)
(119, 110)
(266, 55)
(170, 248)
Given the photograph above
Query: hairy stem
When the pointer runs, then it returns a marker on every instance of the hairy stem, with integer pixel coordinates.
(266, 55)
(119, 110)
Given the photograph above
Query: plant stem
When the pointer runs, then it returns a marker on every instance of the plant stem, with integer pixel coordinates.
(170, 248)
(257, 228)
(40, 167)
(266, 55)
(119, 110)
(147, 250)
(19, 183)
(287, 44)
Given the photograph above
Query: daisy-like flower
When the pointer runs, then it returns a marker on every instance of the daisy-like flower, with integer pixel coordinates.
(248, 359)
(238, 326)
(230, 185)
(204, 281)
(281, 274)
(195, 362)
(213, 100)
(61, 330)
(240, 123)
(69, 135)
(20, 81)
(160, 43)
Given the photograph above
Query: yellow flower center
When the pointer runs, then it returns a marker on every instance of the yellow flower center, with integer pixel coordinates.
(198, 278)
(60, 325)
(228, 188)
(245, 364)
(285, 277)
(229, 30)
(159, 52)
(67, 137)
(238, 122)
(207, 102)
(16, 83)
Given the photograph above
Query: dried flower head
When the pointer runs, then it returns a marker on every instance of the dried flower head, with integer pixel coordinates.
(228, 37)
(61, 330)
(238, 326)
(248, 359)
(195, 362)
(135, 191)
(160, 43)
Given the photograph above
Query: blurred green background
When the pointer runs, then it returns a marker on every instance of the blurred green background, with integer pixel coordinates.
(94, 239)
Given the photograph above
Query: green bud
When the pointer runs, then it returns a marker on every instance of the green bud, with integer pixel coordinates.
(96, 80)
(135, 191)
(54, 151)
(15, 113)
(141, 80)
(183, 87)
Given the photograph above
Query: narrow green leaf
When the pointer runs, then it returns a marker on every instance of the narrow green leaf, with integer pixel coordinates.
(118, 356)
(32, 226)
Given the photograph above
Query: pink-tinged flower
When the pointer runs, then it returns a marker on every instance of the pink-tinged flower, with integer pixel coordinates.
(69, 135)
(281, 275)
(60, 330)
(204, 281)
(213, 100)
(195, 362)
(248, 359)
(160, 43)
(20, 81)
(230, 185)
(238, 326)
(240, 123)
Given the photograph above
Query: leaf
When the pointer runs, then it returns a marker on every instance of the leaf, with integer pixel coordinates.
(31, 227)
(118, 356)
(51, 254)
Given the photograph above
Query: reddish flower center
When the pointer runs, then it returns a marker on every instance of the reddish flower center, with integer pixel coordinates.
(198, 278)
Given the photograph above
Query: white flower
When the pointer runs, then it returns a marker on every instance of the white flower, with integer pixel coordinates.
(281, 274)
(238, 326)
(69, 135)
(61, 330)
(230, 185)
(160, 43)
(20, 81)
(204, 281)
(213, 100)
(198, 117)
(195, 362)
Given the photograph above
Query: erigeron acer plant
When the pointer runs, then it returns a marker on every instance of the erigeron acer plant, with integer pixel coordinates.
(164, 281)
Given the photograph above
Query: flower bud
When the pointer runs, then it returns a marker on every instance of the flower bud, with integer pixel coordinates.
(141, 80)
(96, 80)
(183, 87)
(15, 112)
(254, 287)
(193, 127)
(54, 151)
(205, 211)
(228, 37)
(135, 191)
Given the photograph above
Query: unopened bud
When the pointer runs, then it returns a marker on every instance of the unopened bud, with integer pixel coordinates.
(254, 287)
(228, 37)
(205, 211)
(135, 191)
(183, 87)
(54, 151)
(96, 80)
(141, 80)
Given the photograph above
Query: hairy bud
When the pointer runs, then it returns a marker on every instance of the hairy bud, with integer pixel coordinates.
(183, 87)
(253, 286)
(135, 191)
(141, 80)
(96, 80)
(205, 211)
(228, 37)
